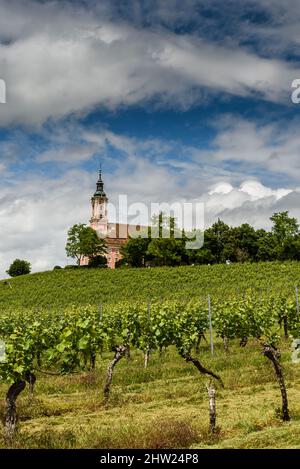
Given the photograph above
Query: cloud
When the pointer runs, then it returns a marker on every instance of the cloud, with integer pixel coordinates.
(257, 191)
(221, 188)
(240, 147)
(257, 147)
(68, 154)
(67, 60)
(250, 202)
(238, 208)
(35, 214)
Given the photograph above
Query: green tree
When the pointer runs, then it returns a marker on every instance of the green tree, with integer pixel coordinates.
(167, 247)
(201, 256)
(284, 227)
(266, 246)
(19, 267)
(167, 251)
(97, 261)
(244, 243)
(216, 239)
(291, 249)
(82, 242)
(134, 252)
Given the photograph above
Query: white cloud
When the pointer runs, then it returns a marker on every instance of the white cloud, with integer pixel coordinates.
(221, 188)
(272, 148)
(35, 214)
(238, 208)
(257, 191)
(69, 154)
(226, 201)
(72, 60)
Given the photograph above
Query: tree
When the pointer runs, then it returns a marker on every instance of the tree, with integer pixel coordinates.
(246, 242)
(240, 244)
(19, 267)
(284, 227)
(167, 251)
(216, 238)
(134, 252)
(291, 249)
(82, 242)
(201, 256)
(266, 246)
(167, 247)
(97, 261)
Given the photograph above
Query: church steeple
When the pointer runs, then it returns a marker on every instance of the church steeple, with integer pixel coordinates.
(100, 186)
(99, 220)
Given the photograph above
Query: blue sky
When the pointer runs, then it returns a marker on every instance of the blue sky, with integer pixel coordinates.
(179, 100)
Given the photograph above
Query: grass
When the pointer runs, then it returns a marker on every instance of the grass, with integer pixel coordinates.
(164, 406)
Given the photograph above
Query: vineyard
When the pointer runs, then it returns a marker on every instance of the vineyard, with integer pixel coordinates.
(61, 288)
(190, 356)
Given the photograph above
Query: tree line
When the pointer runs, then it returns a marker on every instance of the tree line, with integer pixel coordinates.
(222, 243)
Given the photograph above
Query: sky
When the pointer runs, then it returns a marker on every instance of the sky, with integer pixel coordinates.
(180, 101)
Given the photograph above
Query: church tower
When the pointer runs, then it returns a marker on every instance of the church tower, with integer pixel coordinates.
(99, 220)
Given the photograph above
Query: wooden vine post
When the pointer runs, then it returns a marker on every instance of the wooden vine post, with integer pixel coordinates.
(210, 327)
(211, 391)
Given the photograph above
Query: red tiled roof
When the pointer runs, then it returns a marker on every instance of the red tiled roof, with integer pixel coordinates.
(122, 231)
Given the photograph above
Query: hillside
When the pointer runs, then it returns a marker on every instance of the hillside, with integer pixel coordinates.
(91, 286)
(68, 352)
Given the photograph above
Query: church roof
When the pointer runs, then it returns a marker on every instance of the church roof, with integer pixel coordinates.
(100, 187)
(123, 231)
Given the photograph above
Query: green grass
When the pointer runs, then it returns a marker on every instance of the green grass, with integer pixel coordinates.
(58, 289)
(164, 406)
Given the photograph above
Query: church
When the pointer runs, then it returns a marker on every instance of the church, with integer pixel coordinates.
(114, 234)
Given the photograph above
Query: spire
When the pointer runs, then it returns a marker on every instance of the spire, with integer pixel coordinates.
(100, 185)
